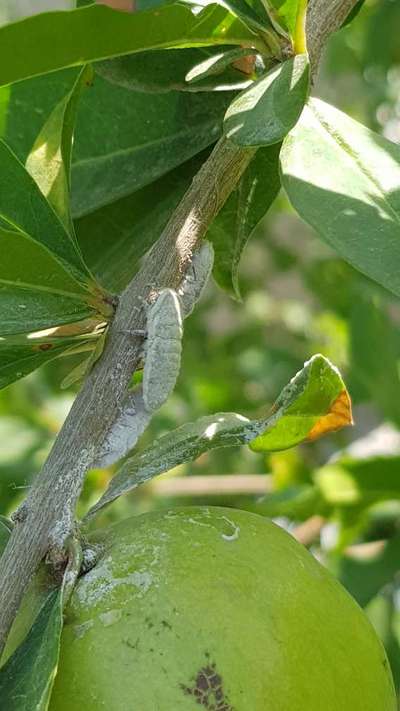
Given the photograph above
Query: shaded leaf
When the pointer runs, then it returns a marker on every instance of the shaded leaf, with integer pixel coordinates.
(313, 388)
(264, 113)
(364, 578)
(353, 14)
(17, 360)
(56, 40)
(24, 310)
(26, 679)
(23, 207)
(163, 71)
(375, 352)
(233, 226)
(114, 238)
(49, 161)
(344, 180)
(296, 502)
(382, 613)
(5, 530)
(110, 164)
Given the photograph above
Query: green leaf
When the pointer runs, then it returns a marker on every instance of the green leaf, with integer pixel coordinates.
(365, 578)
(49, 161)
(354, 12)
(295, 502)
(35, 291)
(18, 360)
(110, 164)
(55, 40)
(265, 113)
(215, 64)
(5, 530)
(290, 14)
(28, 264)
(114, 238)
(252, 19)
(315, 402)
(238, 218)
(163, 71)
(375, 353)
(294, 13)
(353, 482)
(27, 678)
(344, 180)
(23, 207)
(305, 410)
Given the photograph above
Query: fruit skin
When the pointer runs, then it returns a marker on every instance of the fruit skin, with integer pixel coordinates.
(215, 608)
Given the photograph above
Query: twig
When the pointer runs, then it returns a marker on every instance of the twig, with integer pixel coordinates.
(220, 485)
(307, 532)
(47, 519)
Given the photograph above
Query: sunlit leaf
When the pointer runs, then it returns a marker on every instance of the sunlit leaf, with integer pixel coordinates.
(344, 180)
(265, 112)
(49, 161)
(314, 403)
(215, 64)
(303, 402)
(55, 40)
(350, 482)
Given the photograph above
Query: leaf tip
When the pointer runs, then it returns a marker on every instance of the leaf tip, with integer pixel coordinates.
(339, 415)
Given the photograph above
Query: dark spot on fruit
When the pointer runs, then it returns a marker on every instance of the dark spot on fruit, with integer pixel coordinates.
(166, 624)
(130, 644)
(45, 346)
(208, 690)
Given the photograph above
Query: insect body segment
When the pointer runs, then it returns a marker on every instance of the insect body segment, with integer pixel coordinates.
(163, 349)
(126, 430)
(196, 278)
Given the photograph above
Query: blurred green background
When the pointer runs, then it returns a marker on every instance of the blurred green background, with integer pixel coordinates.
(340, 496)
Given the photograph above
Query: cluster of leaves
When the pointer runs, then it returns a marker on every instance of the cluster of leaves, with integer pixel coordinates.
(67, 250)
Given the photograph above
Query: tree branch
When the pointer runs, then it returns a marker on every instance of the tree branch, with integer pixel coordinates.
(47, 518)
(323, 18)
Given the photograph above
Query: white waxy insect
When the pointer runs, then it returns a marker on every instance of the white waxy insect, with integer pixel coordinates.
(163, 349)
(125, 432)
(162, 359)
(196, 278)
(164, 329)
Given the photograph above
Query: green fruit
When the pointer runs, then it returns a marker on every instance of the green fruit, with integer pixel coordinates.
(215, 608)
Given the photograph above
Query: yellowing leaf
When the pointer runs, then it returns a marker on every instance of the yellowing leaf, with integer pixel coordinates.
(339, 415)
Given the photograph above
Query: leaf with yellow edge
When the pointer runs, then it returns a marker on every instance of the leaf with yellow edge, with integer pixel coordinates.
(304, 407)
(314, 403)
(339, 415)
